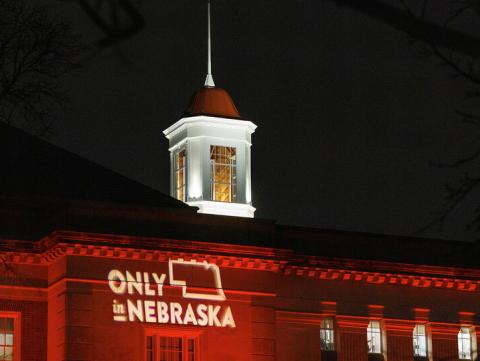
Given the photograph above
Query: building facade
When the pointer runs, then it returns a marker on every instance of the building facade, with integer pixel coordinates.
(96, 267)
(106, 281)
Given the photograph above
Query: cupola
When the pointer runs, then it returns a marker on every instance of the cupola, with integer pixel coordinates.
(210, 158)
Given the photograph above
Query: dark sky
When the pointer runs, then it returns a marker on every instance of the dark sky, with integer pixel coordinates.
(349, 116)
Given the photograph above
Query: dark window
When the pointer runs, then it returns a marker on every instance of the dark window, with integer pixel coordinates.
(169, 348)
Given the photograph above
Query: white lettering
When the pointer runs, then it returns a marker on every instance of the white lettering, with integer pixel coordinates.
(116, 282)
(153, 311)
(150, 311)
(189, 316)
(162, 310)
(159, 281)
(212, 316)
(202, 314)
(175, 313)
(135, 283)
(148, 290)
(227, 318)
(135, 310)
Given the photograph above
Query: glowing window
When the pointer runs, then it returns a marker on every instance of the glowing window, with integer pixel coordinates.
(223, 162)
(374, 337)
(420, 341)
(180, 175)
(166, 348)
(465, 343)
(7, 346)
(327, 342)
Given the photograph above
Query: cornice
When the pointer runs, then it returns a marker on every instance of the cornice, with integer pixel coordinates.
(396, 279)
(61, 243)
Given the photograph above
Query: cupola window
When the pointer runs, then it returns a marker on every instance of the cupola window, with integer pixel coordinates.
(180, 175)
(223, 162)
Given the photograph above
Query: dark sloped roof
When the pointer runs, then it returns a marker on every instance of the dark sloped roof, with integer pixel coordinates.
(44, 189)
(32, 167)
(32, 221)
(212, 101)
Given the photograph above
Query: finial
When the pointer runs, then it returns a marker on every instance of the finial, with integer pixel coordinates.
(209, 80)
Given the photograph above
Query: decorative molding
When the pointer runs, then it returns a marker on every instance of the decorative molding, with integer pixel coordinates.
(63, 249)
(383, 278)
(61, 243)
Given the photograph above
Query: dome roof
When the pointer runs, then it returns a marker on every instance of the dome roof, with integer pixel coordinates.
(212, 101)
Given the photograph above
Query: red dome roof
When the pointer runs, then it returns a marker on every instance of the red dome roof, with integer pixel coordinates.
(212, 101)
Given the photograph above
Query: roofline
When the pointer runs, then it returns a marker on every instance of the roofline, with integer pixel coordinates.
(32, 220)
(210, 120)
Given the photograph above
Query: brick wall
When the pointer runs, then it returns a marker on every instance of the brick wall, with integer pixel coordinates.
(33, 327)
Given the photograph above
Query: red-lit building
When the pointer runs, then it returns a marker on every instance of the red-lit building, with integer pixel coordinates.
(97, 267)
(112, 270)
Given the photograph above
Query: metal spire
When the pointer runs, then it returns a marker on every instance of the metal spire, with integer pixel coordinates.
(209, 80)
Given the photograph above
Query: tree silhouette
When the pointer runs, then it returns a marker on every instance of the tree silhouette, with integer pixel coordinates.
(437, 29)
(36, 50)
(464, 65)
(119, 20)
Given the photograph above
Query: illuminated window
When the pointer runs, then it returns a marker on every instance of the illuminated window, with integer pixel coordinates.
(180, 175)
(374, 337)
(327, 342)
(166, 348)
(420, 341)
(7, 347)
(223, 162)
(465, 343)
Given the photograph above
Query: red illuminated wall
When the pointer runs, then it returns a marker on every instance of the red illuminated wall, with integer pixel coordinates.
(33, 326)
(277, 301)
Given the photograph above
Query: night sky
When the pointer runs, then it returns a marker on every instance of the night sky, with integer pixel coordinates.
(349, 115)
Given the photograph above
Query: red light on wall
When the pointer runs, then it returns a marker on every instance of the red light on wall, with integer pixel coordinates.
(329, 308)
(421, 314)
(375, 310)
(466, 317)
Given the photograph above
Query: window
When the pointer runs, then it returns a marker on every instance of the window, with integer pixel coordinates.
(223, 162)
(167, 348)
(465, 343)
(327, 342)
(7, 347)
(374, 337)
(420, 341)
(180, 175)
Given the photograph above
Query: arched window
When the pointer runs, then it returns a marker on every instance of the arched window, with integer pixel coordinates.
(374, 337)
(420, 341)
(465, 343)
(327, 341)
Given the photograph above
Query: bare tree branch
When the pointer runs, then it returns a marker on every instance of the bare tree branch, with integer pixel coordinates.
(459, 162)
(455, 196)
(36, 50)
(417, 27)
